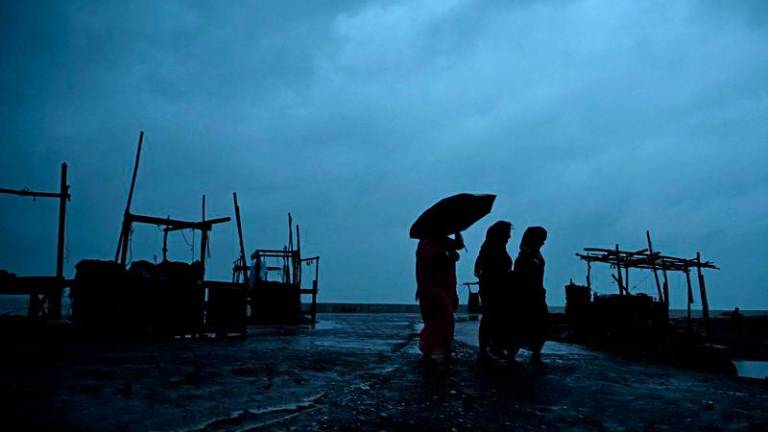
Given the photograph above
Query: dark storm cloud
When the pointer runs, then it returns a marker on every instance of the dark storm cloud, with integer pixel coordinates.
(596, 119)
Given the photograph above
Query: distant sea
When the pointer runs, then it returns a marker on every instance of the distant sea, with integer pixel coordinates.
(17, 305)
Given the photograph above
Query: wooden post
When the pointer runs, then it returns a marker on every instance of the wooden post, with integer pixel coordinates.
(165, 244)
(55, 300)
(703, 290)
(297, 259)
(121, 243)
(690, 295)
(666, 287)
(239, 228)
(314, 291)
(125, 237)
(241, 262)
(289, 267)
(135, 172)
(618, 272)
(626, 279)
(589, 275)
(290, 232)
(203, 246)
(652, 259)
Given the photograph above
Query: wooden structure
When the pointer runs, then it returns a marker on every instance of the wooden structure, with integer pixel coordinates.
(227, 300)
(220, 312)
(649, 259)
(45, 292)
(168, 224)
(276, 284)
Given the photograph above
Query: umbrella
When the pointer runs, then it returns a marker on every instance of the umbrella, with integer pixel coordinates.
(451, 215)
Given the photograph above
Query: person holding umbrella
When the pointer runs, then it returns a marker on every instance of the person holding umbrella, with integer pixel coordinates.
(436, 257)
(436, 293)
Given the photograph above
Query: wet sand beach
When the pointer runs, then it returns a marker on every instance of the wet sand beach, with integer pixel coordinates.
(356, 372)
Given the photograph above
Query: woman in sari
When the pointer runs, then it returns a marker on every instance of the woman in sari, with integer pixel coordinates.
(532, 315)
(436, 292)
(492, 269)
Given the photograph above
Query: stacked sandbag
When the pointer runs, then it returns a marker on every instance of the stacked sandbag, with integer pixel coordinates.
(97, 296)
(144, 283)
(179, 298)
(161, 299)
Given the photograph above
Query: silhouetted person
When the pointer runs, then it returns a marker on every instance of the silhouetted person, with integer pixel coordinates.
(492, 268)
(436, 292)
(531, 313)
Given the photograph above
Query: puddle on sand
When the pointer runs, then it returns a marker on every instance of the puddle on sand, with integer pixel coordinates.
(327, 324)
(751, 368)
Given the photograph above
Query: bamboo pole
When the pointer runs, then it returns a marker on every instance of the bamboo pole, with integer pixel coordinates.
(203, 238)
(626, 278)
(297, 259)
(290, 232)
(241, 259)
(165, 244)
(125, 231)
(703, 291)
(653, 265)
(690, 296)
(618, 271)
(55, 300)
(239, 227)
(314, 291)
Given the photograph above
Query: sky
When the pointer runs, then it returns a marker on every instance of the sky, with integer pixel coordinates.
(596, 119)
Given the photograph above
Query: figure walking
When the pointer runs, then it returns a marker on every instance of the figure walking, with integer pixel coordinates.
(436, 293)
(531, 316)
(492, 269)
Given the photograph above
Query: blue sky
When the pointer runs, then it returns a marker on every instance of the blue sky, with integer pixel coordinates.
(595, 119)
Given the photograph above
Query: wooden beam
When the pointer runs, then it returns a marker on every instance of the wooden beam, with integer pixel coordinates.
(54, 304)
(176, 224)
(30, 193)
